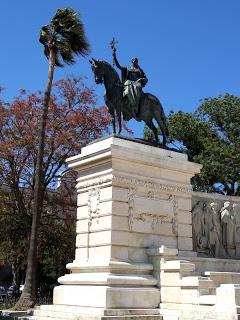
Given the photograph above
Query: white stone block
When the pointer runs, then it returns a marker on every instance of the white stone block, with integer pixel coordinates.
(87, 296)
(120, 223)
(137, 254)
(170, 279)
(119, 194)
(121, 253)
(184, 203)
(106, 297)
(82, 226)
(228, 295)
(82, 199)
(100, 253)
(150, 226)
(160, 208)
(163, 251)
(177, 266)
(81, 254)
(171, 294)
(184, 230)
(103, 223)
(120, 238)
(82, 240)
(134, 298)
(120, 208)
(185, 243)
(106, 194)
(96, 224)
(100, 238)
(151, 240)
(105, 208)
(82, 212)
(190, 296)
(184, 217)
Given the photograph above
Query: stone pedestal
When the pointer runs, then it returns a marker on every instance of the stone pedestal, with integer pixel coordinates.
(131, 197)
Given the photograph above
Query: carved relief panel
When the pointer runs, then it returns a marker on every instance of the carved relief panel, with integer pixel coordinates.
(216, 228)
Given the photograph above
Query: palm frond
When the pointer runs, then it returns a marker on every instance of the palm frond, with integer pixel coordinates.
(57, 60)
(66, 36)
(44, 38)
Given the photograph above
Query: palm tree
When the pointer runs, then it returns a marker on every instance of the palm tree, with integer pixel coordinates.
(62, 39)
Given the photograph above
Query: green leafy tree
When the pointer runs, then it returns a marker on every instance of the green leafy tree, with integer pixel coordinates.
(62, 39)
(211, 136)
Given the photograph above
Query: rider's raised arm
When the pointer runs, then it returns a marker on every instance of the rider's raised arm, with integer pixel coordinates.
(116, 61)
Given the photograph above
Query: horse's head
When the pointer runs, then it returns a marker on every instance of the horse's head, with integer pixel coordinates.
(97, 70)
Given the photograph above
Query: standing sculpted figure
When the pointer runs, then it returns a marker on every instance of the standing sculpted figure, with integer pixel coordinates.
(197, 225)
(228, 229)
(215, 234)
(200, 220)
(236, 213)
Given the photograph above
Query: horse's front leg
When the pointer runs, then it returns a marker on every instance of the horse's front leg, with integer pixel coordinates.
(119, 122)
(164, 142)
(112, 113)
(113, 122)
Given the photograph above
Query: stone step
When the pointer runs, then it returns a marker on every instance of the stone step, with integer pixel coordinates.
(119, 312)
(94, 317)
(104, 278)
(200, 282)
(64, 308)
(177, 308)
(115, 267)
(11, 314)
(177, 266)
(190, 312)
(191, 273)
(80, 313)
(223, 277)
(209, 300)
(133, 317)
(46, 318)
(170, 279)
(52, 314)
(67, 317)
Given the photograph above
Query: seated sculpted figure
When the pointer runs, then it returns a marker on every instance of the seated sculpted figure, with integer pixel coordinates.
(134, 79)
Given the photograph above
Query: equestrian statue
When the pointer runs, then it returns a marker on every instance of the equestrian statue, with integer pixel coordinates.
(126, 99)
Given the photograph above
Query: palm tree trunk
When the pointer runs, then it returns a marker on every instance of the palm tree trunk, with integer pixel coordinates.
(28, 297)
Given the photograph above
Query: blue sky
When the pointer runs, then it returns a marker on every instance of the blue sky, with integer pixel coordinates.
(189, 49)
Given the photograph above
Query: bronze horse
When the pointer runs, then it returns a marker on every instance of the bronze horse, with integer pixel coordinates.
(150, 107)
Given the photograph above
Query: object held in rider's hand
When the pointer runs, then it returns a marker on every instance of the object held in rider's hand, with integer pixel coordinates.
(113, 46)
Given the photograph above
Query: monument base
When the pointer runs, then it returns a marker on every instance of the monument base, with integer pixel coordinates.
(132, 198)
(54, 312)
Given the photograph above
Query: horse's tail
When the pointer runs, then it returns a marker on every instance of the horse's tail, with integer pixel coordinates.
(161, 117)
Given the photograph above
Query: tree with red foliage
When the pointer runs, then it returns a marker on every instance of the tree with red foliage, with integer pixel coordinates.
(73, 121)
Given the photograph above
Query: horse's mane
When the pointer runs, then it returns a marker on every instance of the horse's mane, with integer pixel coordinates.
(110, 68)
